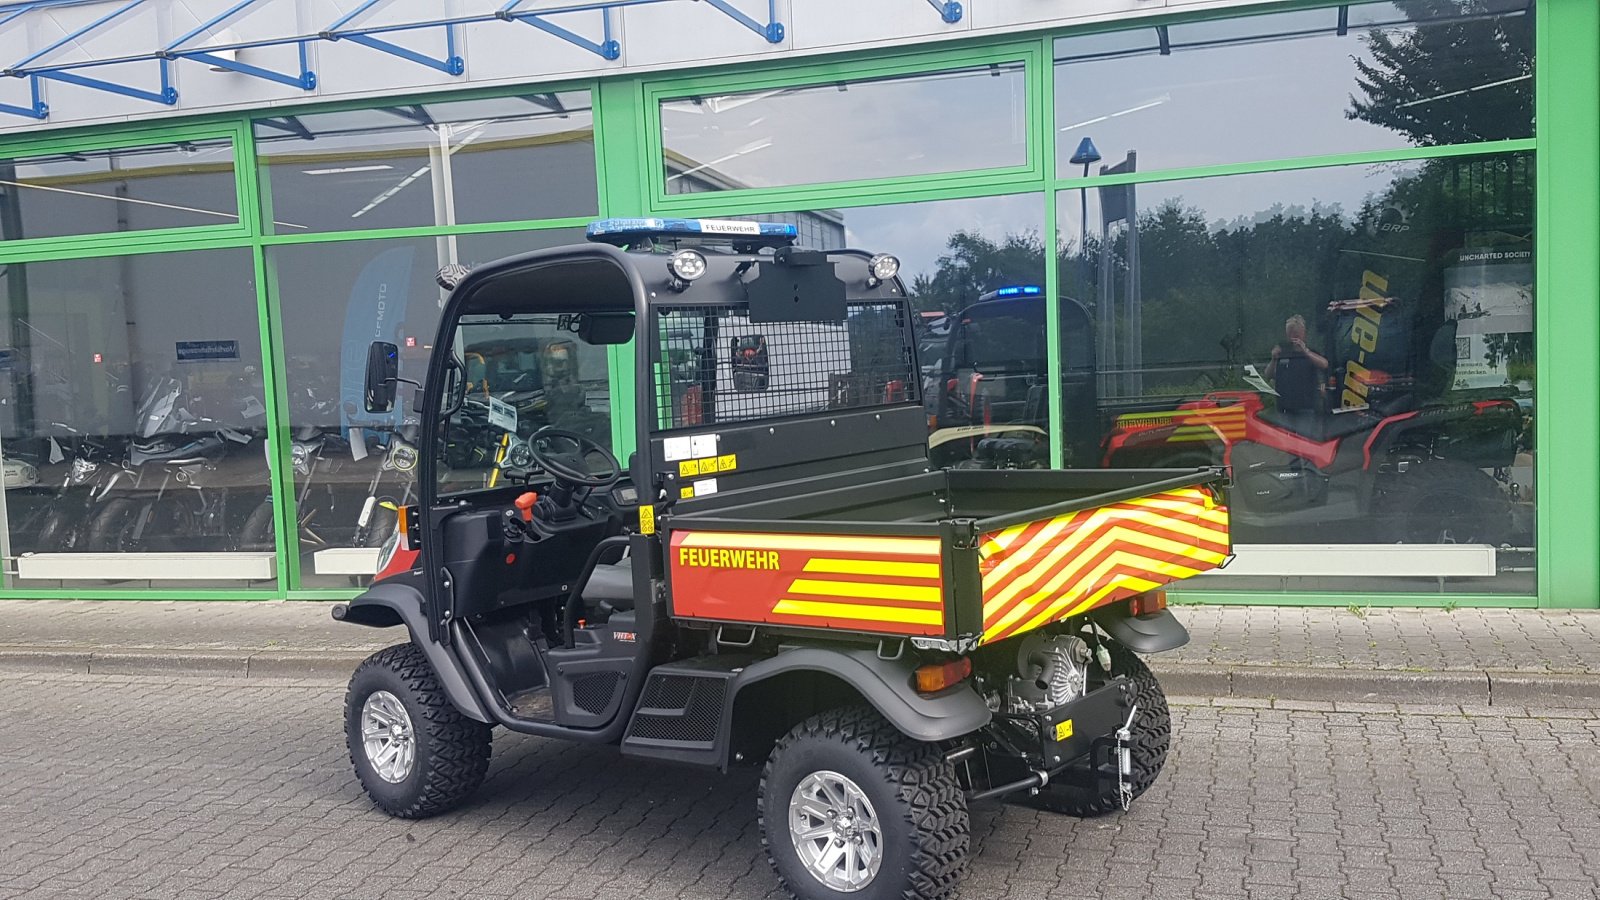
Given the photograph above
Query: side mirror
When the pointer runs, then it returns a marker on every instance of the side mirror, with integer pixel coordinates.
(383, 372)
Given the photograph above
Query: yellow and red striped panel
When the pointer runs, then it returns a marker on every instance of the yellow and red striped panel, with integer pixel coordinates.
(854, 582)
(1048, 570)
(1205, 424)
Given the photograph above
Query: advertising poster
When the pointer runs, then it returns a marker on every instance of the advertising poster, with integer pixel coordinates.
(1489, 295)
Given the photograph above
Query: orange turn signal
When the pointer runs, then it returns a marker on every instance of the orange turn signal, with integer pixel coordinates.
(935, 677)
(1145, 604)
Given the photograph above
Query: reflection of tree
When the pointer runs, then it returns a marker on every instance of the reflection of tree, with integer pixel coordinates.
(975, 265)
(1450, 82)
(1515, 349)
(1216, 293)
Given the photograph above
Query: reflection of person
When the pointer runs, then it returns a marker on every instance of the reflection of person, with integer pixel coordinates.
(1297, 372)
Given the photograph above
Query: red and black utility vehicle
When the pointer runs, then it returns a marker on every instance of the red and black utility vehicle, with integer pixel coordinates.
(778, 577)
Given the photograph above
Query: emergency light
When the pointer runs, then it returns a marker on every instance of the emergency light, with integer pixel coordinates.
(625, 232)
(1025, 290)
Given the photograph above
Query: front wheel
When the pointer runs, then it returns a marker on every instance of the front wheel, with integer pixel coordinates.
(1151, 738)
(850, 807)
(415, 755)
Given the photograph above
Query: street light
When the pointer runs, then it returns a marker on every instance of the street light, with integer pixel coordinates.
(1085, 155)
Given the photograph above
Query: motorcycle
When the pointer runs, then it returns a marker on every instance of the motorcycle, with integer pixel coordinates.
(169, 493)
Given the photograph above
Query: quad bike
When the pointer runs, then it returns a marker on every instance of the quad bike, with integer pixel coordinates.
(776, 578)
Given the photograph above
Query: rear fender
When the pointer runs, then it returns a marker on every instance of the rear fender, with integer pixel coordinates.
(1152, 633)
(391, 603)
(884, 684)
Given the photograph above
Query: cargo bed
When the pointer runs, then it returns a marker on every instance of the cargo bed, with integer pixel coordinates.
(969, 556)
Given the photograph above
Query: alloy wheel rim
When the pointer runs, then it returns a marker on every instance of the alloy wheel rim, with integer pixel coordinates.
(835, 831)
(387, 736)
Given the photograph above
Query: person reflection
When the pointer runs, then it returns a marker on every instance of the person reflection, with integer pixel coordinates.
(1298, 374)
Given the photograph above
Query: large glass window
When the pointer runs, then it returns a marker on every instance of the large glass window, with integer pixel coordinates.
(923, 124)
(1374, 76)
(170, 185)
(1356, 342)
(133, 421)
(974, 270)
(455, 162)
(351, 467)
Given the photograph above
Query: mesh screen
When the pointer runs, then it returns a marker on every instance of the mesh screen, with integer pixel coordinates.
(714, 365)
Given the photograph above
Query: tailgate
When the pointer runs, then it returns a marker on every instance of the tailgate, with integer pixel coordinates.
(1046, 569)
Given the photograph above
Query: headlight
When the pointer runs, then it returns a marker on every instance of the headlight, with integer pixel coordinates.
(301, 455)
(686, 265)
(883, 267)
(82, 470)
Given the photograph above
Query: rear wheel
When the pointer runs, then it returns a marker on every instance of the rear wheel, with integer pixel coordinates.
(112, 529)
(415, 754)
(257, 531)
(850, 807)
(1446, 502)
(1151, 738)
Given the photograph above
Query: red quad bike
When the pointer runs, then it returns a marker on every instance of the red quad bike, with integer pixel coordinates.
(776, 578)
(1384, 465)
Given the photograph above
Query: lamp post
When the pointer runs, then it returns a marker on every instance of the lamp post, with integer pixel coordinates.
(1085, 155)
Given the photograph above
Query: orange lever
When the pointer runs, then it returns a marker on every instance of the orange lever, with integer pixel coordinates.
(525, 503)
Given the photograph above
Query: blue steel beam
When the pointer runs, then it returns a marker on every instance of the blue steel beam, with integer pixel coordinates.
(38, 109)
(108, 17)
(305, 80)
(948, 10)
(606, 48)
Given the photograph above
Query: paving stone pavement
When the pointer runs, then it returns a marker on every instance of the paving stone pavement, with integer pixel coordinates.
(1434, 640)
(144, 787)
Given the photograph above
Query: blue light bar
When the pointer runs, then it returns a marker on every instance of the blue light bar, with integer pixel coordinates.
(627, 231)
(1024, 290)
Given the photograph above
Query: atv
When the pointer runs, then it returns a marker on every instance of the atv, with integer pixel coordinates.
(776, 578)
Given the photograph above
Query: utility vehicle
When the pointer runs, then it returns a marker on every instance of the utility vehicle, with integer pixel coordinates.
(778, 577)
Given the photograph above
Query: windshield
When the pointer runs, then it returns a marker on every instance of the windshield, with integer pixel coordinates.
(514, 376)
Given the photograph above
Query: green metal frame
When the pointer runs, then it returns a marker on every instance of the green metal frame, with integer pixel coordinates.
(628, 151)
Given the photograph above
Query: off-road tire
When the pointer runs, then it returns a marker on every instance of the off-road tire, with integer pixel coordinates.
(111, 528)
(257, 531)
(56, 532)
(1152, 736)
(1445, 501)
(914, 791)
(452, 751)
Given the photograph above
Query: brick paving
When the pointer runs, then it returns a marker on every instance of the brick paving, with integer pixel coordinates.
(143, 787)
(1566, 641)
(1433, 640)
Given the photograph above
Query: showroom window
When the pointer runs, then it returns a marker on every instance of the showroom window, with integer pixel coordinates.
(177, 184)
(505, 159)
(133, 421)
(1363, 77)
(351, 467)
(876, 128)
(1355, 341)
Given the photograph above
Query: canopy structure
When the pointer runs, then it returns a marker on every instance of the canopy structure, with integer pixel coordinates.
(216, 43)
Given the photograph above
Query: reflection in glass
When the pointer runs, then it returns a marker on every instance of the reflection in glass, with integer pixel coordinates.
(173, 185)
(521, 375)
(446, 163)
(351, 467)
(846, 130)
(1298, 83)
(1356, 342)
(133, 420)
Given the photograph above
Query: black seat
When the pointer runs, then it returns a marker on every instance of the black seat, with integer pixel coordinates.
(1321, 426)
(611, 583)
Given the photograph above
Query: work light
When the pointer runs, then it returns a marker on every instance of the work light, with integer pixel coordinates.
(882, 268)
(686, 265)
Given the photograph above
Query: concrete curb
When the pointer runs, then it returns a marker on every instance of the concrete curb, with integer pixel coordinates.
(317, 665)
(1324, 684)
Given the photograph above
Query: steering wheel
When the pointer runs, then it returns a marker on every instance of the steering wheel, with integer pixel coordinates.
(564, 454)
